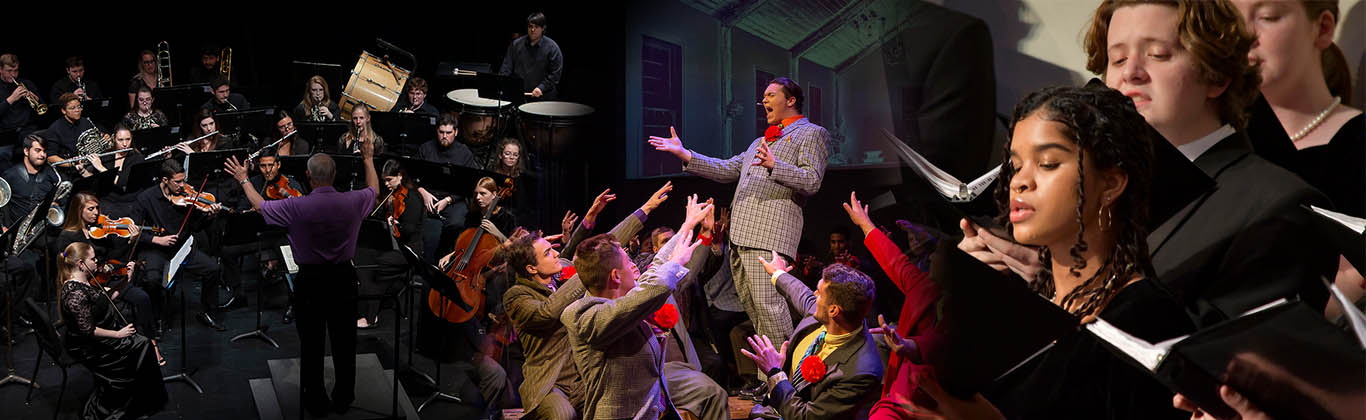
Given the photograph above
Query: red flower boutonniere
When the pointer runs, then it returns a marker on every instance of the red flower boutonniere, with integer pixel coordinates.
(813, 369)
(567, 272)
(666, 317)
(772, 133)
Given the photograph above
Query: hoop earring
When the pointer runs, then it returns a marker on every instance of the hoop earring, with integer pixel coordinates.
(1103, 218)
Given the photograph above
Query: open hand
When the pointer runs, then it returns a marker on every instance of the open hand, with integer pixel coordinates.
(235, 167)
(775, 265)
(567, 223)
(765, 356)
(590, 218)
(683, 248)
(899, 345)
(858, 213)
(658, 197)
(763, 157)
(672, 144)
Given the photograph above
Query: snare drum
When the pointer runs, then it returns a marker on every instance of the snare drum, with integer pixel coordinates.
(552, 126)
(480, 118)
(374, 83)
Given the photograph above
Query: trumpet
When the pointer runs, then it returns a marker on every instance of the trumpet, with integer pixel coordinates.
(163, 64)
(40, 108)
(80, 85)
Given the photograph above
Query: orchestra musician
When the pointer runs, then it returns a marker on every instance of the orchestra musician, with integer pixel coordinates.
(208, 70)
(223, 99)
(360, 130)
(402, 208)
(536, 59)
(294, 145)
(120, 201)
(17, 116)
(146, 76)
(75, 82)
(273, 185)
(205, 123)
(446, 149)
(317, 105)
(122, 360)
(83, 217)
(142, 115)
(416, 99)
(62, 135)
(165, 205)
(29, 183)
(500, 219)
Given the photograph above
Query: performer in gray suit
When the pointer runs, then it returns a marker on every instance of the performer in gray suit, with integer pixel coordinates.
(615, 349)
(775, 176)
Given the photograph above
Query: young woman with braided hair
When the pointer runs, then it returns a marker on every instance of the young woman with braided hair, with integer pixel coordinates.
(1077, 187)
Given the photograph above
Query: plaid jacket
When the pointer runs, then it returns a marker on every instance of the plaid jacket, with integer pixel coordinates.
(766, 212)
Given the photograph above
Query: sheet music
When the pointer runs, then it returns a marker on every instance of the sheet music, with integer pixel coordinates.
(1356, 224)
(177, 261)
(946, 184)
(1354, 316)
(289, 259)
(1147, 354)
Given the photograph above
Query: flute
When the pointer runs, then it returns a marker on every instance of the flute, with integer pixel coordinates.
(186, 142)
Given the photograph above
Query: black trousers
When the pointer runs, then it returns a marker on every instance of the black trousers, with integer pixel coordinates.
(325, 303)
(197, 265)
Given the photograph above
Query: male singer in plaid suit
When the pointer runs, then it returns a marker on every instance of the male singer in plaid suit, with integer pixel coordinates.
(776, 174)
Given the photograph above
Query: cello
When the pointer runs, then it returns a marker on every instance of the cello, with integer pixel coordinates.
(476, 249)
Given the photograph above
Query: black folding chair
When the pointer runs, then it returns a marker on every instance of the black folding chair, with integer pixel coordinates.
(51, 343)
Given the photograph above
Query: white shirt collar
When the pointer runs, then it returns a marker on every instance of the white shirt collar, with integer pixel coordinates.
(1194, 149)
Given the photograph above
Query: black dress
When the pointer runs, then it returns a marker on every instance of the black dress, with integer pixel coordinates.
(1338, 168)
(387, 268)
(1080, 378)
(127, 379)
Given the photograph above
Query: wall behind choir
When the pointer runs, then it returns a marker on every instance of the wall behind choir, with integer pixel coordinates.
(1036, 43)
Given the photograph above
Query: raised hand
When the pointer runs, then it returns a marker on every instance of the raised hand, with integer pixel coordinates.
(236, 168)
(764, 157)
(765, 356)
(672, 144)
(858, 213)
(895, 342)
(590, 218)
(567, 223)
(682, 252)
(696, 211)
(658, 197)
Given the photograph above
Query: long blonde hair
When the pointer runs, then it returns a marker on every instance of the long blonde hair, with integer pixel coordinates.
(74, 222)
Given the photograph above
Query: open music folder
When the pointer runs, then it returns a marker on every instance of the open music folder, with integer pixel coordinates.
(1282, 356)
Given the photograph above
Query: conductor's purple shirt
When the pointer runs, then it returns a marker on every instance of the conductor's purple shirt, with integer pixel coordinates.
(323, 225)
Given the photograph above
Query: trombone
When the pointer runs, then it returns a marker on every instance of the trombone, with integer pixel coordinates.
(225, 63)
(163, 64)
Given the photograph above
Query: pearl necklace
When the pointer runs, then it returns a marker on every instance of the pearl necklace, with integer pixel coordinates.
(1317, 120)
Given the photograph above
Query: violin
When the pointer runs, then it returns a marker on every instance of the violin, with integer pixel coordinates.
(191, 197)
(280, 189)
(114, 272)
(397, 204)
(476, 250)
(121, 227)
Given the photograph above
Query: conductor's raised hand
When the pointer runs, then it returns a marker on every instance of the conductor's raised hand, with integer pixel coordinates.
(764, 157)
(672, 144)
(235, 167)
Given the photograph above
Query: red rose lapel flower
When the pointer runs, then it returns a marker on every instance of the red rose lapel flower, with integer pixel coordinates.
(666, 317)
(567, 272)
(813, 369)
(772, 133)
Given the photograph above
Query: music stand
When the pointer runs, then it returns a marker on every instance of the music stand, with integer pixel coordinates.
(258, 122)
(187, 97)
(100, 184)
(349, 169)
(296, 167)
(211, 162)
(404, 131)
(151, 140)
(99, 109)
(322, 135)
(243, 230)
(446, 287)
(7, 240)
(500, 87)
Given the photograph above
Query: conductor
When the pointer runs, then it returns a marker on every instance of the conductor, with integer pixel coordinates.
(322, 228)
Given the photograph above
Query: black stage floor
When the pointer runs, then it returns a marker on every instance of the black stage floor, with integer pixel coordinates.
(224, 368)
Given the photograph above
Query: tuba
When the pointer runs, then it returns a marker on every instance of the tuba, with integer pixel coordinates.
(163, 64)
(5, 192)
(28, 231)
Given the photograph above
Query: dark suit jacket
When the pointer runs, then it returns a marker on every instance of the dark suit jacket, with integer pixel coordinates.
(1244, 243)
(853, 372)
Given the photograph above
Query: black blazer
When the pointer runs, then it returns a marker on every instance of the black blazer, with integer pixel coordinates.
(853, 372)
(1244, 243)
